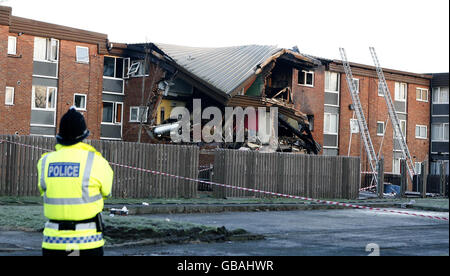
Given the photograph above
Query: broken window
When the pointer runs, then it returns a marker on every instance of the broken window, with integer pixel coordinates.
(306, 78)
(115, 67)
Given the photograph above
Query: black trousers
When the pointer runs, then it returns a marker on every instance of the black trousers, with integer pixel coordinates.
(88, 252)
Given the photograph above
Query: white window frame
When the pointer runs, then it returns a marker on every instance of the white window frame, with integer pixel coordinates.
(327, 73)
(85, 101)
(384, 128)
(48, 50)
(380, 90)
(12, 95)
(325, 131)
(138, 111)
(304, 72)
(33, 107)
(358, 86)
(426, 131)
(76, 54)
(396, 167)
(121, 113)
(114, 112)
(439, 95)
(124, 72)
(421, 94)
(398, 94)
(442, 137)
(12, 45)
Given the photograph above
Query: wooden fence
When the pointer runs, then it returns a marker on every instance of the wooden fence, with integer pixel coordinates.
(293, 174)
(18, 172)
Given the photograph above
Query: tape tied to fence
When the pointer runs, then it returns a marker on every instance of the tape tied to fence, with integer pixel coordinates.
(350, 205)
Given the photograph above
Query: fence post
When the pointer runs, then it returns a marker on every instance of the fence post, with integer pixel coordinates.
(424, 178)
(404, 179)
(380, 171)
(442, 178)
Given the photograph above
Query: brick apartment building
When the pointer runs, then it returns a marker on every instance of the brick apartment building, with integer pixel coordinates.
(324, 94)
(45, 69)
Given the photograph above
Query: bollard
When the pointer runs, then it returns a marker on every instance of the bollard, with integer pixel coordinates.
(380, 172)
(442, 178)
(404, 179)
(424, 178)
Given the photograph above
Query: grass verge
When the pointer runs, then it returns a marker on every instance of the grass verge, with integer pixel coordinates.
(125, 229)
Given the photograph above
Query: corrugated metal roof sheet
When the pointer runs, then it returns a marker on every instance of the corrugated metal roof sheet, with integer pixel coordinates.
(224, 68)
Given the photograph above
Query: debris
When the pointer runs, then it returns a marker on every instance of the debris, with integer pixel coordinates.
(145, 204)
(120, 212)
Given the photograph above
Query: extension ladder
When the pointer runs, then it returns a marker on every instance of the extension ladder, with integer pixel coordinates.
(363, 129)
(393, 115)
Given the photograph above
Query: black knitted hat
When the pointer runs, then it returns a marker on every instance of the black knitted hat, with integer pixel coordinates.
(72, 128)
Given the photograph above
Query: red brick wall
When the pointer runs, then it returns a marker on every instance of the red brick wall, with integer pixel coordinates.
(133, 92)
(19, 69)
(310, 100)
(81, 78)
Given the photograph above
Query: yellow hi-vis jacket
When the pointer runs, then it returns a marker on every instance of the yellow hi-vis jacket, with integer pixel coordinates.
(73, 181)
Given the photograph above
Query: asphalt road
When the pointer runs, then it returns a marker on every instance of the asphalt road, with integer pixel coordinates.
(317, 233)
(293, 233)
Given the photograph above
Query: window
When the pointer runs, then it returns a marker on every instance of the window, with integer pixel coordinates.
(422, 94)
(9, 96)
(135, 117)
(440, 95)
(331, 82)
(435, 167)
(402, 127)
(44, 97)
(306, 78)
(396, 166)
(356, 83)
(115, 67)
(107, 112)
(330, 124)
(12, 45)
(380, 128)
(79, 101)
(82, 54)
(46, 49)
(439, 132)
(118, 113)
(112, 113)
(380, 89)
(421, 132)
(400, 91)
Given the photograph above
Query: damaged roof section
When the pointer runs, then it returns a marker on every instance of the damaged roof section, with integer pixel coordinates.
(251, 76)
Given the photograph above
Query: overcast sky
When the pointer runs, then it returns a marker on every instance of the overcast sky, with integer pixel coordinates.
(410, 35)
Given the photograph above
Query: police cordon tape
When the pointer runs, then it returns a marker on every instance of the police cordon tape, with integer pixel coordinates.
(258, 191)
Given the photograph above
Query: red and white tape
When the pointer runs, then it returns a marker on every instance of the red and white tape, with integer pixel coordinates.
(264, 192)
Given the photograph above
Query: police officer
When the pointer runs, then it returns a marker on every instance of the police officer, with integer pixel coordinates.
(73, 180)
